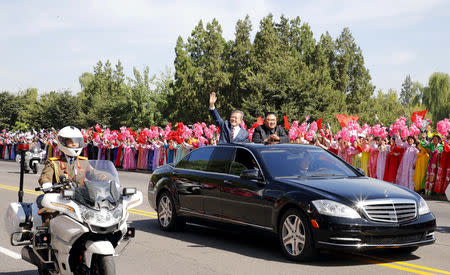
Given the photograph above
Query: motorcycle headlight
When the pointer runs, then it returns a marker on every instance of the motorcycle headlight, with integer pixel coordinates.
(336, 209)
(423, 207)
(102, 218)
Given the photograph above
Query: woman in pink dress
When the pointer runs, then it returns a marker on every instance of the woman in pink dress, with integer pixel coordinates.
(405, 173)
(129, 161)
(342, 151)
(372, 165)
(383, 151)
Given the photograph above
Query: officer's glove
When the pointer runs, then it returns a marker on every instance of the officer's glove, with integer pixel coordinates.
(47, 186)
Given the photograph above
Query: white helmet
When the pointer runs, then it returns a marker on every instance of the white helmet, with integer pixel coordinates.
(70, 141)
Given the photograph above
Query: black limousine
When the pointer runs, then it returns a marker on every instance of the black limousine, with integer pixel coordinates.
(308, 196)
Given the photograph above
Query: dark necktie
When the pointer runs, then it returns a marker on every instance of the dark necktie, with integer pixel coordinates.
(232, 133)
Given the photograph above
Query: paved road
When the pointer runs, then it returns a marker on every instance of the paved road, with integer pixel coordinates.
(205, 250)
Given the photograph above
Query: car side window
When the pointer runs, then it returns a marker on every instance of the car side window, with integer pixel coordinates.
(221, 159)
(243, 160)
(184, 162)
(198, 159)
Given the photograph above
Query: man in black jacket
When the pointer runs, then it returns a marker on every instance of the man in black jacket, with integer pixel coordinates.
(270, 132)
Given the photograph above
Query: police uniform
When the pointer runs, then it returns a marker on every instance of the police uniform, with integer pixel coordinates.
(60, 166)
(74, 169)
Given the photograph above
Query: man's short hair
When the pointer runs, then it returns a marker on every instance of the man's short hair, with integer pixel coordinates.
(239, 112)
(270, 113)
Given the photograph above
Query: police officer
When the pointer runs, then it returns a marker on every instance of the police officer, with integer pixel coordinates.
(70, 165)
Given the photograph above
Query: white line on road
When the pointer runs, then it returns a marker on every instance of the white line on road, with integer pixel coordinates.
(10, 253)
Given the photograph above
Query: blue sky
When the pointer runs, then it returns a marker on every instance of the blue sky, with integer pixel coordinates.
(49, 44)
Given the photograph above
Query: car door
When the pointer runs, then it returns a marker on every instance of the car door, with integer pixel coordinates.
(189, 177)
(216, 173)
(244, 200)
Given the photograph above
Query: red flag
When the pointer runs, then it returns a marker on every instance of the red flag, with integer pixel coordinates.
(286, 123)
(417, 114)
(354, 118)
(260, 121)
(319, 123)
(343, 120)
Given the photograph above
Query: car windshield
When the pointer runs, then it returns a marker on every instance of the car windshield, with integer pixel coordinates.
(305, 161)
(101, 186)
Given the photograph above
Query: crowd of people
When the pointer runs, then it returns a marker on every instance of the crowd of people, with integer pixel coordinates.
(415, 157)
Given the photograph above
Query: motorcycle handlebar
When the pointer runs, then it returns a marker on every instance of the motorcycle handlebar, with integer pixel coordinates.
(55, 186)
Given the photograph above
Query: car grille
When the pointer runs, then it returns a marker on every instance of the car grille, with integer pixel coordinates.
(400, 239)
(390, 210)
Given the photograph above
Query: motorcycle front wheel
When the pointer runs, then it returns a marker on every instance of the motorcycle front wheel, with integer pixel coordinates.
(103, 265)
(35, 168)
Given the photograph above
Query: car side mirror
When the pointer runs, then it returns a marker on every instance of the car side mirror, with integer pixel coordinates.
(361, 171)
(251, 174)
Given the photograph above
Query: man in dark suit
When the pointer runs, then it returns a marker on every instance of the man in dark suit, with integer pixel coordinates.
(270, 132)
(230, 131)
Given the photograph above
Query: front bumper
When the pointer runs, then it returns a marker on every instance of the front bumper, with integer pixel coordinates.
(360, 234)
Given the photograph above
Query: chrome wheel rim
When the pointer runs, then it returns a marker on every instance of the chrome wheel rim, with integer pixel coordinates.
(165, 211)
(293, 235)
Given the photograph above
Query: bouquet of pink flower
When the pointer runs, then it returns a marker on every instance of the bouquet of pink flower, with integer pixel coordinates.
(413, 130)
(443, 127)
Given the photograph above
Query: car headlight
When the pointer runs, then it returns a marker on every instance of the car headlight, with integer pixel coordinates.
(423, 207)
(102, 218)
(336, 209)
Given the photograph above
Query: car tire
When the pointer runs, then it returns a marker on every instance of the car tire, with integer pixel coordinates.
(167, 215)
(295, 238)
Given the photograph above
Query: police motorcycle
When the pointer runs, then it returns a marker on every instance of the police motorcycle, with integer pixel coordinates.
(33, 158)
(88, 229)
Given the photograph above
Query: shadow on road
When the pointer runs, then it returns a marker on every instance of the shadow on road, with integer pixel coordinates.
(443, 229)
(261, 244)
(27, 272)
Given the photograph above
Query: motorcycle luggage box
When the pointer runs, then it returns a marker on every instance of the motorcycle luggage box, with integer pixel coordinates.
(21, 215)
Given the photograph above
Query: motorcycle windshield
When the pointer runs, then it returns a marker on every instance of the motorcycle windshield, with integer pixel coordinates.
(101, 186)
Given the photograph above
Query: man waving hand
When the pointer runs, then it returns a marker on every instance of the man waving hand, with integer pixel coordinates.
(230, 131)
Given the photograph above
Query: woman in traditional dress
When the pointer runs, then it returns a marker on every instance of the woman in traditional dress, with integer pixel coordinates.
(353, 153)
(443, 174)
(365, 155)
(372, 165)
(392, 162)
(129, 161)
(383, 151)
(421, 168)
(342, 151)
(405, 172)
(434, 149)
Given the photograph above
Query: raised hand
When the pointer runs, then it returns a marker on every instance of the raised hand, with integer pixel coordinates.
(212, 99)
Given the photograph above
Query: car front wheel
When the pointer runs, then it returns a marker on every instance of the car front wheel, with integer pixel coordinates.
(167, 216)
(294, 236)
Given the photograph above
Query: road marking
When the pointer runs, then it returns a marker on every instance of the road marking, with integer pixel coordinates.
(10, 253)
(142, 211)
(394, 266)
(142, 214)
(14, 188)
(405, 264)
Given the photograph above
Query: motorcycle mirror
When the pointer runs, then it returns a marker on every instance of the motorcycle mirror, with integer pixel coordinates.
(129, 191)
(68, 194)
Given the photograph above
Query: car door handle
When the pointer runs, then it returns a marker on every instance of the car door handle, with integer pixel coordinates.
(227, 181)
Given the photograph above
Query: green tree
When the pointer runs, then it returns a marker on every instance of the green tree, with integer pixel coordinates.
(9, 110)
(57, 110)
(351, 76)
(406, 94)
(436, 96)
